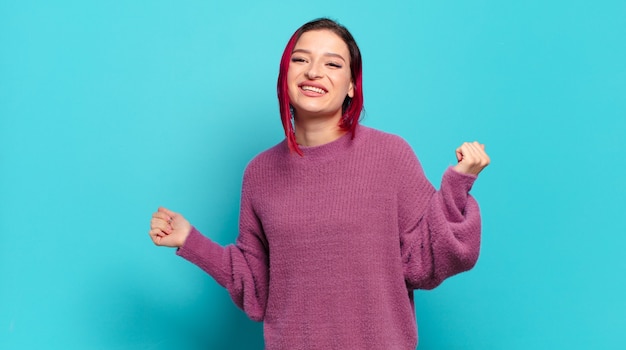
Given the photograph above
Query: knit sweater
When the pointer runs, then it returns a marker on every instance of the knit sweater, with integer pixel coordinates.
(332, 244)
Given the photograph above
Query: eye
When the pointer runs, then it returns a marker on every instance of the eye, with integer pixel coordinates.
(334, 65)
(298, 59)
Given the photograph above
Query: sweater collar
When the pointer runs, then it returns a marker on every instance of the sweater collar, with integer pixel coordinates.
(329, 150)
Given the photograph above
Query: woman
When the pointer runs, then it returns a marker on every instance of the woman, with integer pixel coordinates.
(338, 224)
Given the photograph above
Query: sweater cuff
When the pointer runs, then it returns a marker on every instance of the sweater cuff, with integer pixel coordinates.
(203, 252)
(455, 189)
(457, 182)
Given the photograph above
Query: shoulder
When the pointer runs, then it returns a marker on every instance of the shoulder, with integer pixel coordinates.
(389, 143)
(271, 154)
(392, 155)
(390, 151)
(269, 160)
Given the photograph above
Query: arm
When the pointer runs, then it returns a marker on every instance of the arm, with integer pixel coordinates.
(446, 239)
(439, 230)
(241, 268)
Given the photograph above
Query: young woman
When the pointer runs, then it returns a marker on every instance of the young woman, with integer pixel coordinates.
(338, 224)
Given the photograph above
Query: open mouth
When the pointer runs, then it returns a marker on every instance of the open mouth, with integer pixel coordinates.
(315, 89)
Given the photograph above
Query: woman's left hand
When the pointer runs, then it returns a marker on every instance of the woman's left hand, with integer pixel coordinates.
(472, 158)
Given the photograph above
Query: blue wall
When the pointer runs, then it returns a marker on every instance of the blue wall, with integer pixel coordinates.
(110, 109)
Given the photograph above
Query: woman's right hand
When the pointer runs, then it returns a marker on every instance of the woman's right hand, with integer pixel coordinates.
(169, 229)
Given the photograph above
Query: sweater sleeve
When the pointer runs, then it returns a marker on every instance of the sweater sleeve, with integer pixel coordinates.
(439, 230)
(241, 268)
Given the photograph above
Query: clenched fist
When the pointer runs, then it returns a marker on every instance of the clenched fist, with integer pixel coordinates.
(169, 229)
(472, 158)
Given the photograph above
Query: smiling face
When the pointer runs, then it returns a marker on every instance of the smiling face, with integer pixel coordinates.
(319, 77)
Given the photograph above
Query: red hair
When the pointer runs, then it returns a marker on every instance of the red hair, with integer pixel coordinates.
(351, 108)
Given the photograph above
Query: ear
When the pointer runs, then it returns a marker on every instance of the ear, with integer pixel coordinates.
(351, 90)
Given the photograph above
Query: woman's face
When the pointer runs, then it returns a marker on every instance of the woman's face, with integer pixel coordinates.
(319, 77)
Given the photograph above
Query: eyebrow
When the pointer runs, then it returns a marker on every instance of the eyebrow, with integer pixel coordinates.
(329, 54)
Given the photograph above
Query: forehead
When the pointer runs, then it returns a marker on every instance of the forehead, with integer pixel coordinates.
(322, 40)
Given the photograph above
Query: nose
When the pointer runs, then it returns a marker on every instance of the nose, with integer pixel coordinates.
(313, 72)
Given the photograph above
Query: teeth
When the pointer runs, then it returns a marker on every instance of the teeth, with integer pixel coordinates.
(314, 89)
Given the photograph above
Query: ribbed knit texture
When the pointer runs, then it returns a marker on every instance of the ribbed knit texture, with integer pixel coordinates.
(332, 244)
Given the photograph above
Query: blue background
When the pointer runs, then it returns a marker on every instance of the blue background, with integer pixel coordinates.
(109, 109)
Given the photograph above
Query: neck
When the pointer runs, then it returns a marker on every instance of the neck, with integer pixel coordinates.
(317, 132)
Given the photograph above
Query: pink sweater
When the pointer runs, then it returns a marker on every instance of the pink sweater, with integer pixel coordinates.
(331, 245)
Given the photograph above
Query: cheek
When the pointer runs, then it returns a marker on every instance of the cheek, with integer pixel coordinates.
(345, 81)
(292, 73)
(291, 86)
(291, 78)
